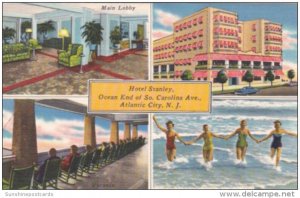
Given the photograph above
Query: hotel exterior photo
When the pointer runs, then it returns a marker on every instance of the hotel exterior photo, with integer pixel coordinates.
(211, 40)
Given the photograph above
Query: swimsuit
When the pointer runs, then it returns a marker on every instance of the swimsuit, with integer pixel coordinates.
(208, 142)
(242, 142)
(170, 142)
(276, 141)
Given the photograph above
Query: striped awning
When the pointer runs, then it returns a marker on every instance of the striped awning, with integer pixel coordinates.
(278, 73)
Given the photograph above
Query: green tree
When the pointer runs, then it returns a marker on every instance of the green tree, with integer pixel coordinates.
(270, 77)
(187, 75)
(8, 34)
(115, 36)
(45, 27)
(248, 77)
(291, 74)
(222, 78)
(92, 32)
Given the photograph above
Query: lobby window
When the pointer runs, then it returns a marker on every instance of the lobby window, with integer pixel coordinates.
(256, 63)
(156, 69)
(202, 62)
(218, 62)
(246, 63)
(257, 78)
(276, 64)
(163, 68)
(171, 68)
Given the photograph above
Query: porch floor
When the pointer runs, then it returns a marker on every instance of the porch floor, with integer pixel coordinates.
(129, 172)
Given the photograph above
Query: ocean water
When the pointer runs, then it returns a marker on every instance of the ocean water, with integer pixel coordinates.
(189, 170)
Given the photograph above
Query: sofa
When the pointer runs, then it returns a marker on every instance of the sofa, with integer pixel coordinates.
(15, 52)
(71, 57)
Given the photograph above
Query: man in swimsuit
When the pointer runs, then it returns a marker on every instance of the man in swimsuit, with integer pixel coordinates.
(242, 144)
(170, 135)
(276, 146)
(208, 148)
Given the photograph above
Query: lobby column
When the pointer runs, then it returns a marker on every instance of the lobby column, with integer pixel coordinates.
(114, 132)
(34, 28)
(127, 134)
(89, 131)
(24, 142)
(135, 131)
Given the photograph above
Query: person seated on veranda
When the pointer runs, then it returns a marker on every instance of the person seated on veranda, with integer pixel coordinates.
(41, 171)
(102, 146)
(66, 162)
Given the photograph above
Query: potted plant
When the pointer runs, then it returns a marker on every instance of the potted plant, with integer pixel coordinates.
(25, 25)
(115, 37)
(8, 34)
(92, 32)
(45, 27)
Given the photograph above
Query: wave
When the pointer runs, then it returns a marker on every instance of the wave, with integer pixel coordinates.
(267, 160)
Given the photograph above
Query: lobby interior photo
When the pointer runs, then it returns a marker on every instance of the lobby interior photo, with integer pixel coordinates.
(55, 48)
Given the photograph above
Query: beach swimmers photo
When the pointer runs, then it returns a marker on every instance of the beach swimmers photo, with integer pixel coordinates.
(242, 144)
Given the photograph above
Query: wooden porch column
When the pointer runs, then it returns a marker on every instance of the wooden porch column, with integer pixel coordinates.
(24, 142)
(89, 131)
(135, 131)
(114, 132)
(127, 134)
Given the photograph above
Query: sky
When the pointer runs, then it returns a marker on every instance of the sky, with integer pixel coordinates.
(57, 128)
(165, 14)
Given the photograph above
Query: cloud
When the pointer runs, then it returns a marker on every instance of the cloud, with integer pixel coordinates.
(289, 40)
(63, 132)
(159, 33)
(289, 65)
(166, 18)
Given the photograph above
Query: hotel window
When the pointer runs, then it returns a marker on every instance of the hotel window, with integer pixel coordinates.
(163, 68)
(253, 39)
(253, 27)
(256, 78)
(171, 68)
(253, 49)
(155, 69)
(240, 29)
(216, 18)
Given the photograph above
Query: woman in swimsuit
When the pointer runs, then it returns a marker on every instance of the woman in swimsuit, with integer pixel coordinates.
(170, 135)
(208, 147)
(242, 144)
(276, 143)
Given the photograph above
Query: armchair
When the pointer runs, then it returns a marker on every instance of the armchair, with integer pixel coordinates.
(71, 57)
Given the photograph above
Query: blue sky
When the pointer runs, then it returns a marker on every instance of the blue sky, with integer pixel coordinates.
(284, 13)
(57, 128)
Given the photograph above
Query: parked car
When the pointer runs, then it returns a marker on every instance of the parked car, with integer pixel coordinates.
(246, 91)
(293, 84)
